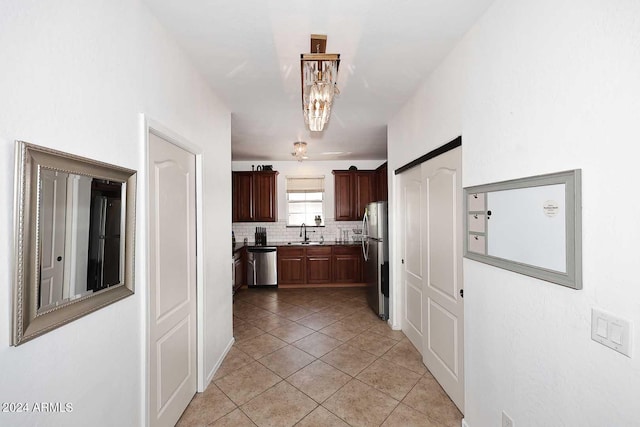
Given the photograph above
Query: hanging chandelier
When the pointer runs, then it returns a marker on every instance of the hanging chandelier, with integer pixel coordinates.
(319, 72)
(300, 151)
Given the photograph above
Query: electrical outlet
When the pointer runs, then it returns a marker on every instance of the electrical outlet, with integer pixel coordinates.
(506, 420)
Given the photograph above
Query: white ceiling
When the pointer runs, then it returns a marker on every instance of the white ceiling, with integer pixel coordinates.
(249, 50)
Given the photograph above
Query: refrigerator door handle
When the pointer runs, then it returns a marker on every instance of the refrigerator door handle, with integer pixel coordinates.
(365, 236)
(365, 224)
(365, 249)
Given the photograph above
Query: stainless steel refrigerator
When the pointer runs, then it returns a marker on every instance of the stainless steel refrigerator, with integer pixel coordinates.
(375, 248)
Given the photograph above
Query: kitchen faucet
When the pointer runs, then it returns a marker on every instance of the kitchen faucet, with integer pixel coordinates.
(306, 239)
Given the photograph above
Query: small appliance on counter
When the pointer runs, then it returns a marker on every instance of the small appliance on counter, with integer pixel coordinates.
(261, 236)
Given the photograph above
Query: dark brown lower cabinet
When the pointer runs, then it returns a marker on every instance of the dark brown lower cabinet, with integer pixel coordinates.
(319, 265)
(291, 265)
(347, 264)
(239, 270)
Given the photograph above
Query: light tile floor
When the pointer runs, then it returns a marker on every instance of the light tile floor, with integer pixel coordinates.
(318, 357)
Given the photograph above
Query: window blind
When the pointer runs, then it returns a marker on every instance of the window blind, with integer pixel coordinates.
(305, 185)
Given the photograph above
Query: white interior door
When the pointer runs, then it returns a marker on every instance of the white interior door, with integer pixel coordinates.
(412, 269)
(443, 309)
(52, 232)
(172, 279)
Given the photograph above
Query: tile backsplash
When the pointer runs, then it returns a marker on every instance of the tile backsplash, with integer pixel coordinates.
(279, 232)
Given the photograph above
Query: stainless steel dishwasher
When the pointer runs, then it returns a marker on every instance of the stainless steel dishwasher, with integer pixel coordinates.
(262, 266)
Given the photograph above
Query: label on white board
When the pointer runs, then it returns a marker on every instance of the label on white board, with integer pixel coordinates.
(550, 208)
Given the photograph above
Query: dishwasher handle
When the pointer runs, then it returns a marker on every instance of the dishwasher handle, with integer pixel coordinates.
(264, 249)
(252, 263)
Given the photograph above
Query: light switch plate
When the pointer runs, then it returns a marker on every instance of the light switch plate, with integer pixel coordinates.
(611, 331)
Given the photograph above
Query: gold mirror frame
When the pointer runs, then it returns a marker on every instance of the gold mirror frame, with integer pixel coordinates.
(28, 323)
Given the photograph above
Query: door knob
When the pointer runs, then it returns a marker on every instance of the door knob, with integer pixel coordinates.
(59, 258)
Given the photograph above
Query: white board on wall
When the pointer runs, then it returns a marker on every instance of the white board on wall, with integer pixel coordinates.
(527, 225)
(531, 225)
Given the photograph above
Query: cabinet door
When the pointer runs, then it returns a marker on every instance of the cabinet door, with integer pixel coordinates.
(365, 192)
(265, 199)
(381, 183)
(242, 203)
(291, 266)
(238, 269)
(344, 192)
(319, 265)
(347, 264)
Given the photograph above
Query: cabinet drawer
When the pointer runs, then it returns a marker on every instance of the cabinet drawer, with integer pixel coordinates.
(476, 222)
(291, 250)
(477, 244)
(347, 250)
(315, 250)
(476, 202)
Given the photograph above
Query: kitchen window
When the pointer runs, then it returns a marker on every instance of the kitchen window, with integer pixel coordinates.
(305, 201)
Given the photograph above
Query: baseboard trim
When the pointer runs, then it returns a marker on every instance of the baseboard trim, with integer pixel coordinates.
(464, 423)
(394, 326)
(323, 285)
(219, 362)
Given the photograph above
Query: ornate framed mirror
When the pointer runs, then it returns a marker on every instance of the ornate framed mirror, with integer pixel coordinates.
(74, 238)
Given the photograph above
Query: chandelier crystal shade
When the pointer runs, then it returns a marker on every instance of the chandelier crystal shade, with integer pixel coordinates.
(300, 151)
(319, 72)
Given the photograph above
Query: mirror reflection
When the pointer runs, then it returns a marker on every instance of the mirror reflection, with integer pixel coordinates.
(74, 240)
(81, 221)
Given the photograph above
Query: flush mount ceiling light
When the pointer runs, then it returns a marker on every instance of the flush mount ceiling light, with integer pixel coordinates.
(319, 71)
(300, 151)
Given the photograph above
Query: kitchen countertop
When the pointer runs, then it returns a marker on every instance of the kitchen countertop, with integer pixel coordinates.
(239, 245)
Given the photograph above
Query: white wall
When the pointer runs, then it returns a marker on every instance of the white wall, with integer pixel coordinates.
(75, 75)
(538, 87)
(278, 231)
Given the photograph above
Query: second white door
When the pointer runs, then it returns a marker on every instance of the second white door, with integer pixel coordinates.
(413, 265)
(172, 279)
(442, 303)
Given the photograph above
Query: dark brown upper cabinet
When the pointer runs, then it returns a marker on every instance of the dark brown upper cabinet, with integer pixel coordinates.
(344, 206)
(255, 196)
(381, 183)
(353, 191)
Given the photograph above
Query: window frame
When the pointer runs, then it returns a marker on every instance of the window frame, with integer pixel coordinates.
(322, 200)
